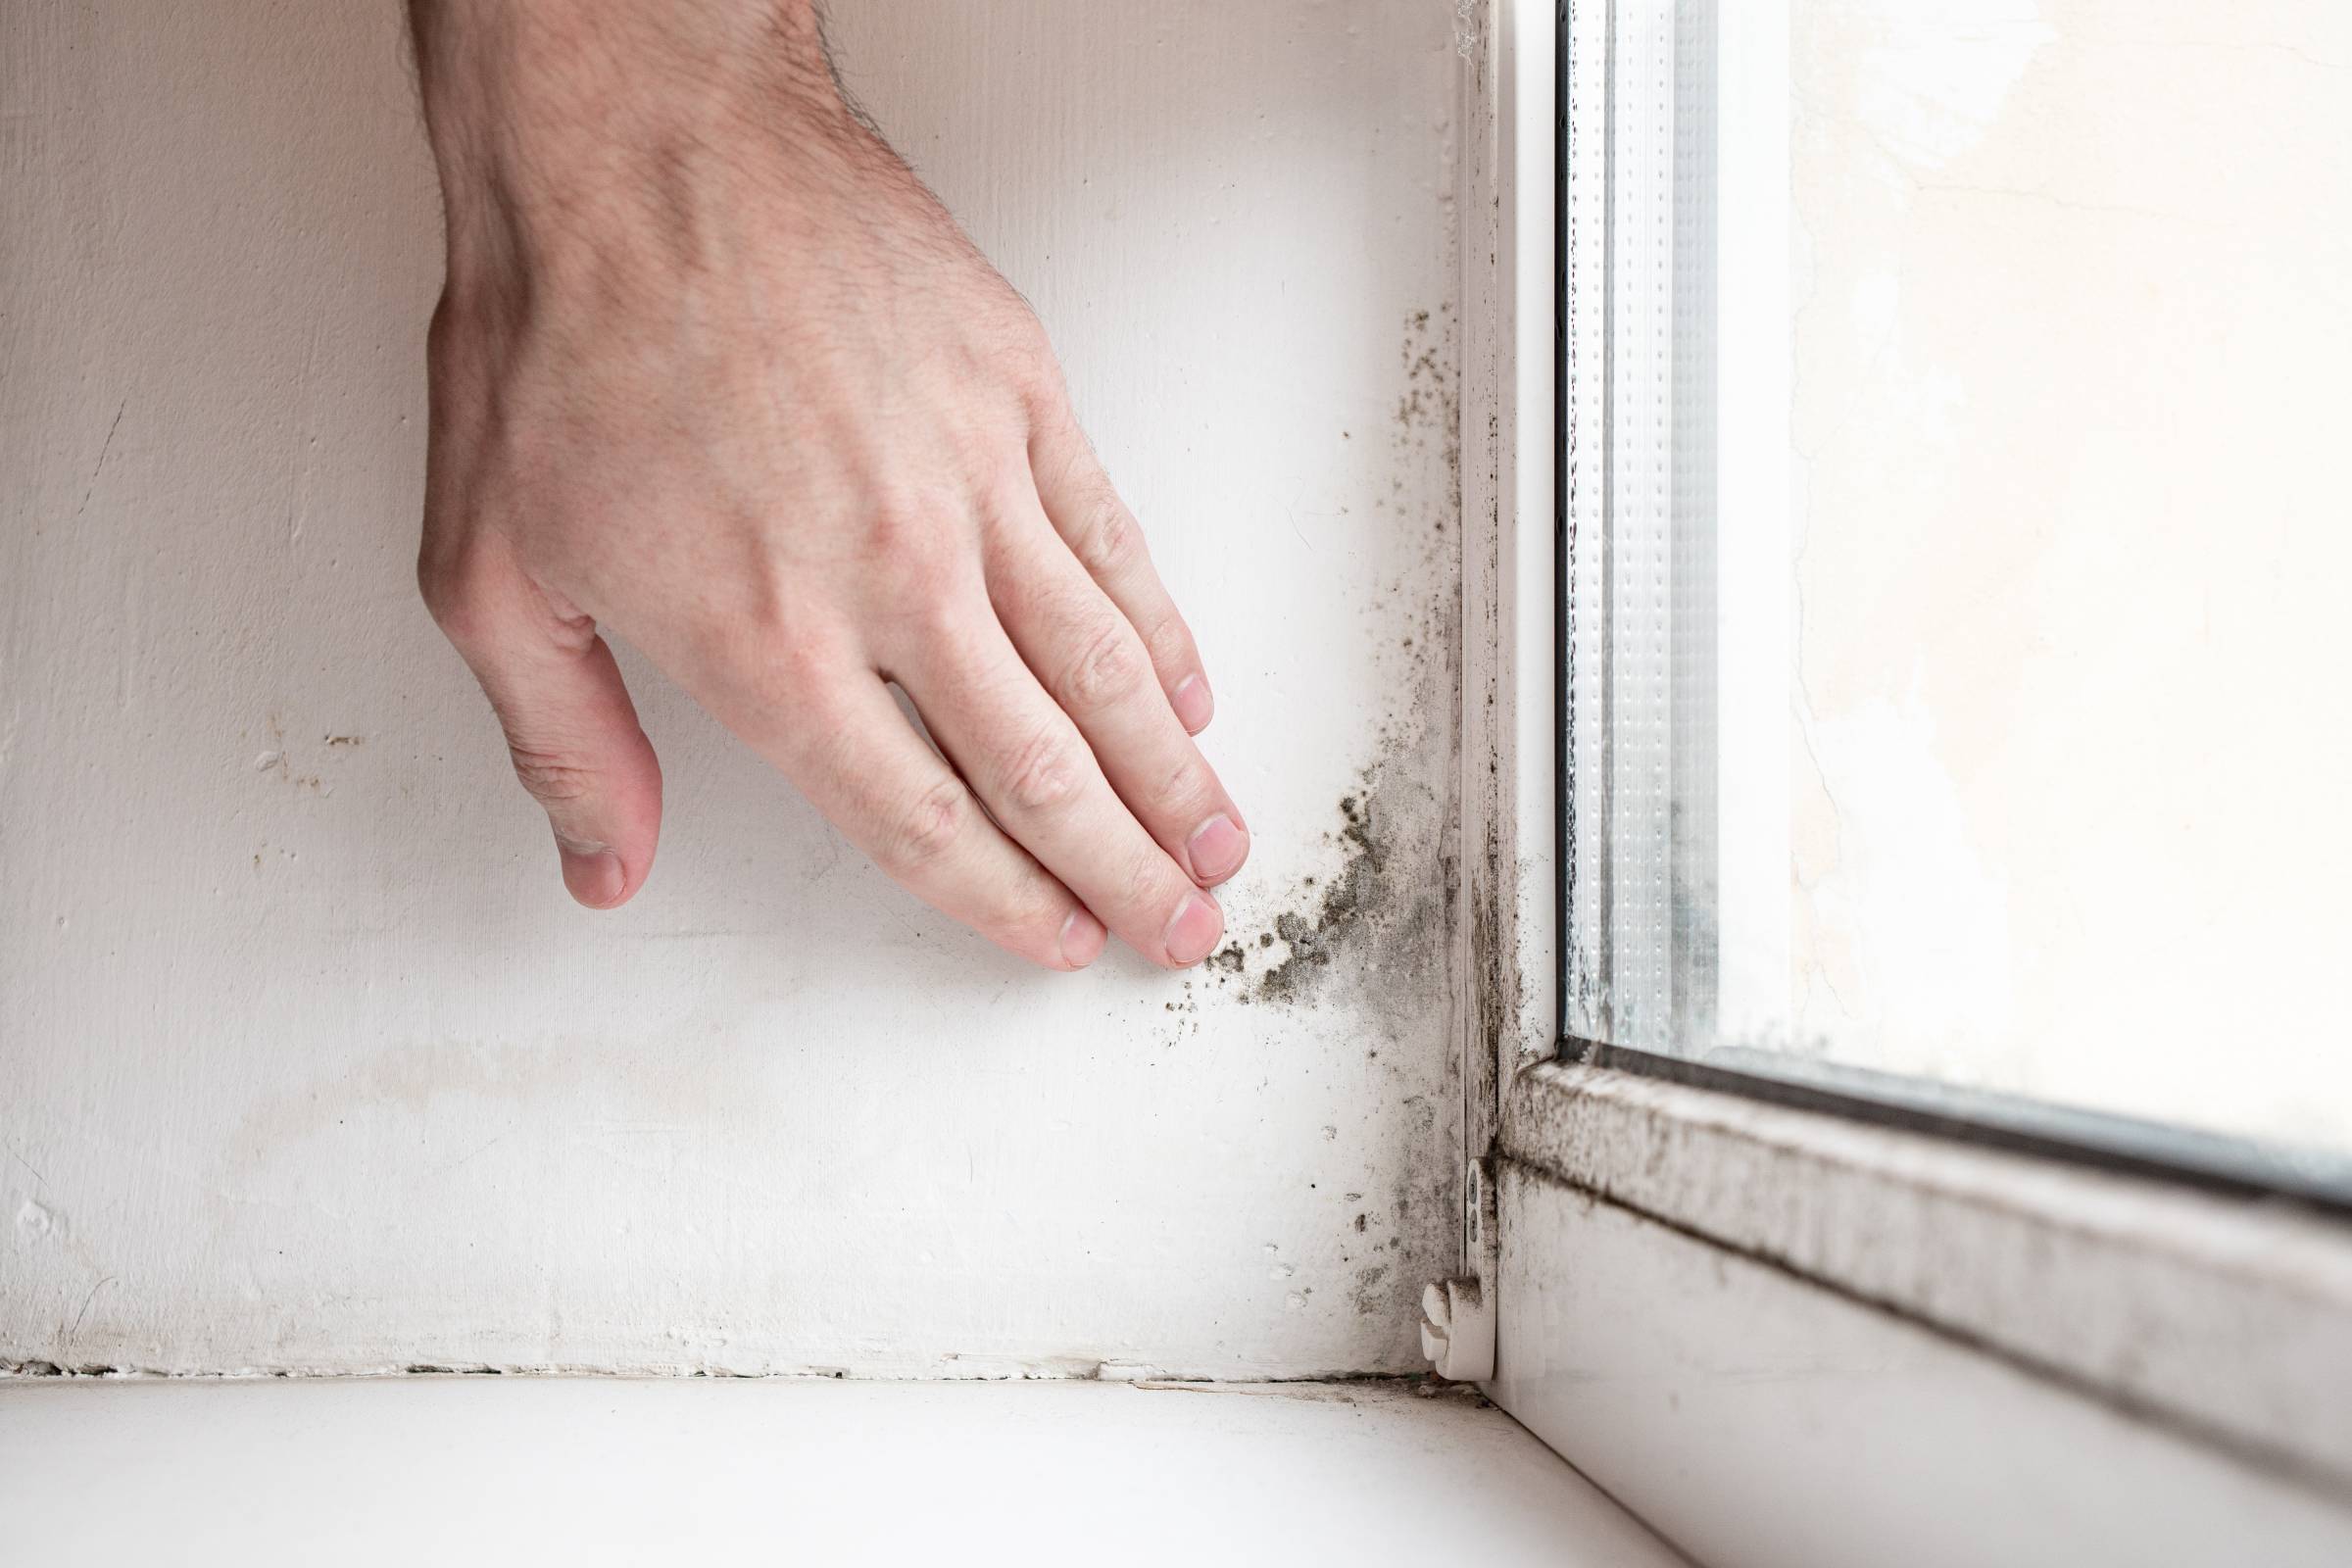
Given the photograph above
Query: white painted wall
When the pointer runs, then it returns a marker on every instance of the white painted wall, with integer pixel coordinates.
(307, 1062)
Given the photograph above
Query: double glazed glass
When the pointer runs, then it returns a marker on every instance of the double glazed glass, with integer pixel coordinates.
(1959, 669)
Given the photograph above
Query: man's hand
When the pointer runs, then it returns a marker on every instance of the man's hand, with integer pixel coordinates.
(714, 369)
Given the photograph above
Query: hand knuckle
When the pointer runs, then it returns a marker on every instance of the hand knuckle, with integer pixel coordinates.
(550, 776)
(923, 831)
(935, 601)
(1043, 771)
(799, 666)
(1108, 537)
(914, 544)
(1035, 372)
(1188, 793)
(818, 732)
(947, 621)
(1037, 908)
(1108, 666)
(1150, 881)
(1169, 642)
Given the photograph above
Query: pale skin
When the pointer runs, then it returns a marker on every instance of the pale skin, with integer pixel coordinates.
(712, 369)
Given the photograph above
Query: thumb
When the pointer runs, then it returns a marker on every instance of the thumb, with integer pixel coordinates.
(570, 728)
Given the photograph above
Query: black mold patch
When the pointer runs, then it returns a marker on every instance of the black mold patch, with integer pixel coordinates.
(1380, 927)
(1336, 918)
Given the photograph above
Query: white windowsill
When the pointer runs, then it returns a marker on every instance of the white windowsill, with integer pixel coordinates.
(491, 1469)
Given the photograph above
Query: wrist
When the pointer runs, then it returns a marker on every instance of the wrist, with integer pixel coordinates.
(564, 123)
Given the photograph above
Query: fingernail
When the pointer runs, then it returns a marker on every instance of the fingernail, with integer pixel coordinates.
(596, 879)
(1218, 847)
(1081, 939)
(1197, 925)
(1193, 703)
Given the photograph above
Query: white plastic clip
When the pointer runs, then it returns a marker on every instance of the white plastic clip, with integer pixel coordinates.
(1457, 1330)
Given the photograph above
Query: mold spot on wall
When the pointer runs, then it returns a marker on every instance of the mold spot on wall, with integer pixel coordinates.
(1310, 934)
(1371, 931)
(1383, 917)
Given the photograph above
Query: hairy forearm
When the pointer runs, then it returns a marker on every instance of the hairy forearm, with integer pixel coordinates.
(580, 46)
(550, 117)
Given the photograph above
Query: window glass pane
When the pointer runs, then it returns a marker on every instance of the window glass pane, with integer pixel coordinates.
(1960, 546)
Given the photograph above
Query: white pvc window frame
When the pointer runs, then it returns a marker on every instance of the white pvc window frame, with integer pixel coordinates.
(1778, 1334)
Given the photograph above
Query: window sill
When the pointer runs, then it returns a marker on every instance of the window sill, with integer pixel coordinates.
(522, 1469)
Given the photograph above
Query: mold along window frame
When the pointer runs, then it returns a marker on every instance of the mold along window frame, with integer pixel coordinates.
(1789, 1321)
